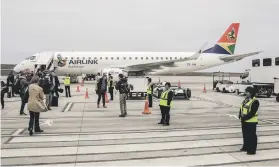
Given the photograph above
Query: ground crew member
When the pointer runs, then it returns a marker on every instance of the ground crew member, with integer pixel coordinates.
(248, 115)
(110, 86)
(67, 83)
(166, 104)
(149, 92)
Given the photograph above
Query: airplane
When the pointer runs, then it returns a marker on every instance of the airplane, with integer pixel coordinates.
(153, 63)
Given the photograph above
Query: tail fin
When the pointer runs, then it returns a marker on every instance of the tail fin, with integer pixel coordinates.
(226, 44)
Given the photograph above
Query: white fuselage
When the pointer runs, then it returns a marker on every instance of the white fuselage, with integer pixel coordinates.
(93, 62)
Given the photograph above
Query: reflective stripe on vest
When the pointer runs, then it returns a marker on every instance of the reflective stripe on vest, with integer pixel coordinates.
(245, 109)
(67, 81)
(164, 99)
(149, 89)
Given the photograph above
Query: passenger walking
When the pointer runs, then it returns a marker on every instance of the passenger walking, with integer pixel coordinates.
(36, 105)
(10, 84)
(57, 85)
(166, 104)
(110, 86)
(4, 89)
(149, 92)
(24, 83)
(122, 86)
(45, 83)
(248, 115)
(101, 90)
(67, 84)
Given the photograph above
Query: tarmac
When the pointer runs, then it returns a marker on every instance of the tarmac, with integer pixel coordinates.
(203, 131)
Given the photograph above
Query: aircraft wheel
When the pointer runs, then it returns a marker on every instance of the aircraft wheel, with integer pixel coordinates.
(188, 93)
(217, 89)
(277, 98)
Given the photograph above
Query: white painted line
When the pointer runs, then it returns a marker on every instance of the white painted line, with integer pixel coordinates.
(17, 132)
(68, 107)
(233, 116)
(273, 123)
(47, 122)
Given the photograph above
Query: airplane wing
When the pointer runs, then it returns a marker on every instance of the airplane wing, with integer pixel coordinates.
(238, 57)
(167, 63)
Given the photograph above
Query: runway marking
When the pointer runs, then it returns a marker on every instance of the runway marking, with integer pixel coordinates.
(232, 115)
(17, 132)
(68, 107)
(47, 122)
(273, 123)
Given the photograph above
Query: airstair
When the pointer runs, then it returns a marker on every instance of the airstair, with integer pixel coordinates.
(44, 61)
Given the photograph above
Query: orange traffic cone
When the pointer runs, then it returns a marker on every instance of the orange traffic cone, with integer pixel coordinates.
(78, 88)
(146, 108)
(106, 98)
(86, 94)
(204, 89)
(179, 84)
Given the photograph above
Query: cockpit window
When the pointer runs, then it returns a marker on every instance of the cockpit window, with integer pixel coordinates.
(27, 58)
(32, 57)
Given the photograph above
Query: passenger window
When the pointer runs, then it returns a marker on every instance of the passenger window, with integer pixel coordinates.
(106, 58)
(256, 63)
(170, 58)
(157, 58)
(166, 58)
(124, 58)
(72, 58)
(130, 58)
(100, 58)
(277, 61)
(111, 58)
(175, 58)
(77, 58)
(141, 58)
(180, 57)
(146, 58)
(267, 62)
(83, 58)
(117, 58)
(136, 58)
(66, 58)
(152, 58)
(161, 58)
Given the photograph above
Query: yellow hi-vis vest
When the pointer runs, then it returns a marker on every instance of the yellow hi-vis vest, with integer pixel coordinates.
(67, 81)
(245, 109)
(110, 84)
(164, 99)
(149, 89)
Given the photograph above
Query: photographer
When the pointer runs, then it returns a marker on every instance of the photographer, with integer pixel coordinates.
(122, 86)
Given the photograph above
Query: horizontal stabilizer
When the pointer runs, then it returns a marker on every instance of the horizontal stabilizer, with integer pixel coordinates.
(238, 57)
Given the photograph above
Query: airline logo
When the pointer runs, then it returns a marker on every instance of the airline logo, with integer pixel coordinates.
(75, 62)
(61, 61)
(231, 36)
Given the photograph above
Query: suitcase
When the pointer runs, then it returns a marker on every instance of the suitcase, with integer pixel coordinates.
(54, 102)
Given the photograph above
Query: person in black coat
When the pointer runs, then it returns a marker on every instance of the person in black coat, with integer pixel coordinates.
(10, 82)
(101, 90)
(249, 121)
(4, 89)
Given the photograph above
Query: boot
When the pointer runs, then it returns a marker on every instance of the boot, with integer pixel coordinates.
(104, 106)
(98, 105)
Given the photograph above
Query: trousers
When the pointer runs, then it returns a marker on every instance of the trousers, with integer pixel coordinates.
(101, 95)
(34, 116)
(2, 99)
(123, 103)
(250, 139)
(48, 100)
(149, 100)
(68, 91)
(111, 93)
(165, 111)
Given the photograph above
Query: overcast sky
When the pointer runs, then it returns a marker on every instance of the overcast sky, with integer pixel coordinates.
(30, 26)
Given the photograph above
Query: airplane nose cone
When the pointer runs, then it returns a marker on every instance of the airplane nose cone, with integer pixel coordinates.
(17, 68)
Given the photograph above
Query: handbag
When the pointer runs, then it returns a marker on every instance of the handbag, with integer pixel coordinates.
(42, 106)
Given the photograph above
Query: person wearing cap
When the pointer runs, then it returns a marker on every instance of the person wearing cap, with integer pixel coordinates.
(248, 115)
(149, 92)
(165, 104)
(122, 86)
